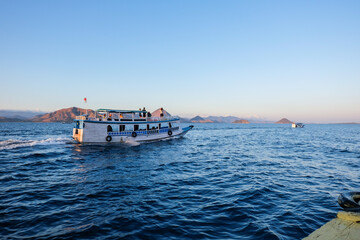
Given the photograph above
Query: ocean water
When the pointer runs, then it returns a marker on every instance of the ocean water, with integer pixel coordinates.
(220, 181)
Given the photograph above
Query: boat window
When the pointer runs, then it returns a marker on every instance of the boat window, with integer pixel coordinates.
(115, 127)
(129, 127)
(122, 128)
(170, 125)
(109, 128)
(163, 126)
(136, 127)
(153, 126)
(83, 125)
(142, 127)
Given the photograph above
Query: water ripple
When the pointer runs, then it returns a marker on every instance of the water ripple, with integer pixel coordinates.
(222, 181)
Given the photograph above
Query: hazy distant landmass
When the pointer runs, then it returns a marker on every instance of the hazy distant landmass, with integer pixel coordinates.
(284, 121)
(221, 119)
(19, 114)
(63, 115)
(241, 121)
(184, 120)
(6, 119)
(199, 119)
(68, 115)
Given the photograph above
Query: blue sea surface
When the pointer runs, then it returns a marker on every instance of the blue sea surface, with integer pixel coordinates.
(220, 181)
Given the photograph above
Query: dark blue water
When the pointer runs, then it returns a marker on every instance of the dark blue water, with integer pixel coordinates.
(221, 181)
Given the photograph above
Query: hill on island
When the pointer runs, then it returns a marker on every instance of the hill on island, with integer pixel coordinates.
(199, 119)
(241, 121)
(216, 119)
(284, 121)
(63, 115)
(221, 119)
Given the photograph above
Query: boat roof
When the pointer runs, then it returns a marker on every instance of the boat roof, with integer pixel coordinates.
(119, 111)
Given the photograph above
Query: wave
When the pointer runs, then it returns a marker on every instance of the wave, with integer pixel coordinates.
(17, 143)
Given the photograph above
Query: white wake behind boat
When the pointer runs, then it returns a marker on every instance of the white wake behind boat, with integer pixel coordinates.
(117, 126)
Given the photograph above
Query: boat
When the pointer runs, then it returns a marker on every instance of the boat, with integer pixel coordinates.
(297, 125)
(122, 126)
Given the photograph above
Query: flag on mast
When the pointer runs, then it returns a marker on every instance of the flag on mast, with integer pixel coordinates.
(85, 100)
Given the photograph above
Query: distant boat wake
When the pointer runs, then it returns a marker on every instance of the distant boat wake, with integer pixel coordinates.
(17, 143)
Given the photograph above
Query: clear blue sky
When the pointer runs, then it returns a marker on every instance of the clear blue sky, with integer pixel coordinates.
(270, 59)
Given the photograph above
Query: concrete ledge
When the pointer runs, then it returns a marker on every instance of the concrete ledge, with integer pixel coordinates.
(349, 216)
(345, 226)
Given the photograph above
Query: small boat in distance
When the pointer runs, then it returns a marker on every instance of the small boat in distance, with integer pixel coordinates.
(117, 126)
(297, 125)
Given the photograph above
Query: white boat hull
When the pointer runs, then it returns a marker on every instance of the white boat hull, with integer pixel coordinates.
(119, 126)
(97, 133)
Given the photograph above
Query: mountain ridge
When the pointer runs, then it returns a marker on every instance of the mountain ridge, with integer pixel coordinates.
(63, 115)
(69, 114)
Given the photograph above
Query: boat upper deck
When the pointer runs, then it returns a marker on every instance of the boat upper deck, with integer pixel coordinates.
(125, 116)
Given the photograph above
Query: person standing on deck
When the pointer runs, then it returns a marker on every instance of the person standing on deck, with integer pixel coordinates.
(161, 112)
(144, 112)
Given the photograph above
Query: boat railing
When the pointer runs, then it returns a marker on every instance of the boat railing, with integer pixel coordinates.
(82, 117)
(136, 119)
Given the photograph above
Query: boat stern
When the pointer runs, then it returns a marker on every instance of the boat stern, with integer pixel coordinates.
(78, 131)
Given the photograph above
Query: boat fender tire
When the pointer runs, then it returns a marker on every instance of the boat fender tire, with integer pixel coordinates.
(350, 201)
(108, 138)
(169, 132)
(134, 134)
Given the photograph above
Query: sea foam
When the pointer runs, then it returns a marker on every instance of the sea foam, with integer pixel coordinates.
(18, 143)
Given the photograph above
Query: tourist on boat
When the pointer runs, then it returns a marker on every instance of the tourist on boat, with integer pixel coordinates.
(144, 114)
(161, 112)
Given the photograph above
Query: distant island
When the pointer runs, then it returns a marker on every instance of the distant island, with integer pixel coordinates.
(241, 121)
(284, 121)
(66, 115)
(199, 119)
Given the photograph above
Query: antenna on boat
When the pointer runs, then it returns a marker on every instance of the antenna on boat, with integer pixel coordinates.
(85, 100)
